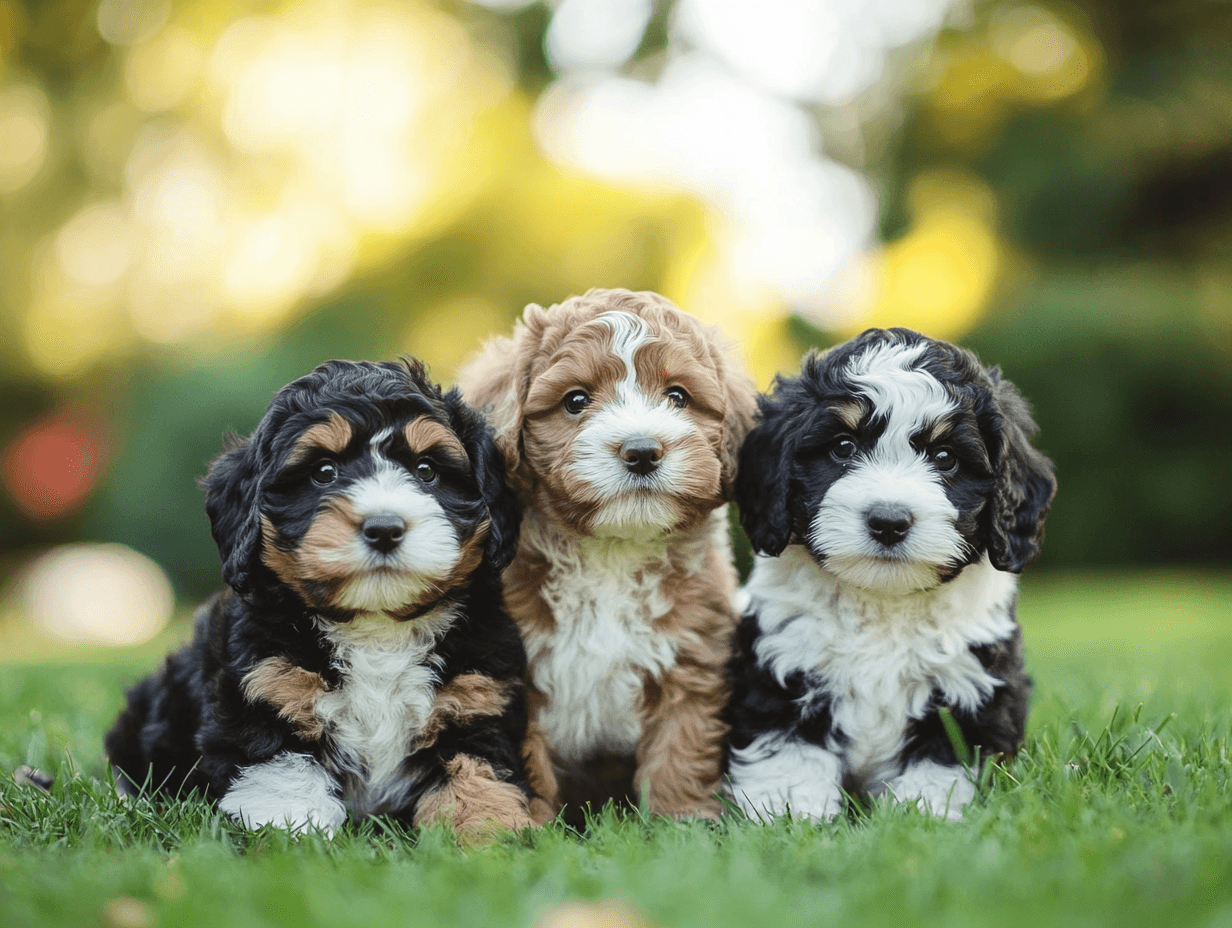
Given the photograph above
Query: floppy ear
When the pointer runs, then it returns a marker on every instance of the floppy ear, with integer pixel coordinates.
(741, 397)
(763, 481)
(488, 467)
(231, 501)
(496, 382)
(1025, 484)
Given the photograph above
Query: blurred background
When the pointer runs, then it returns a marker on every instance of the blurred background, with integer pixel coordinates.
(201, 200)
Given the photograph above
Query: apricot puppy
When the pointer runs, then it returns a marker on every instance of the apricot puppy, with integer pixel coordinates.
(620, 418)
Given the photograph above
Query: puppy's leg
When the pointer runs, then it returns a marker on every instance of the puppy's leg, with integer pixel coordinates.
(941, 789)
(470, 749)
(539, 768)
(679, 756)
(475, 800)
(292, 791)
(779, 774)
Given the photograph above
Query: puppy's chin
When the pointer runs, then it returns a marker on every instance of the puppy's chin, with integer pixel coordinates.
(886, 576)
(635, 516)
(396, 593)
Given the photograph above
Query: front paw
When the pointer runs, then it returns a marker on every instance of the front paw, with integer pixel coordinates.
(940, 790)
(776, 776)
(477, 803)
(291, 791)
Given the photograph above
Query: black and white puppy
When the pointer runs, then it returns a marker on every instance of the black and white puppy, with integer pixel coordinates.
(892, 494)
(362, 657)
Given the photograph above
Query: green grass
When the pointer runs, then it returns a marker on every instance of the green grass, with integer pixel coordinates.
(1119, 810)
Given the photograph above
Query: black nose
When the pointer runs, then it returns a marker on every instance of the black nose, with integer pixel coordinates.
(889, 524)
(641, 455)
(383, 531)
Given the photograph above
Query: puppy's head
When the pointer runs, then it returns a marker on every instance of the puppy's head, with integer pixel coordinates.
(364, 489)
(897, 460)
(618, 414)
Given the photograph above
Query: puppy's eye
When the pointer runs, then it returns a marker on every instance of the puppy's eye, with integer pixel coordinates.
(576, 401)
(843, 449)
(325, 473)
(945, 459)
(679, 396)
(425, 471)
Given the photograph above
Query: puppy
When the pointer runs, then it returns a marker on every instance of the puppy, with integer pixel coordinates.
(892, 493)
(362, 657)
(620, 418)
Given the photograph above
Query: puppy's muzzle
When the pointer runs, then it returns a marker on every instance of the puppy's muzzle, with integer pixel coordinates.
(383, 532)
(642, 455)
(889, 524)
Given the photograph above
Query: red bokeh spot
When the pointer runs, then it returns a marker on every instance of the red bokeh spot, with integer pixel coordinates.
(51, 466)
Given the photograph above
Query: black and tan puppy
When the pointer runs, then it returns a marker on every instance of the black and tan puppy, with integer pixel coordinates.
(361, 658)
(893, 495)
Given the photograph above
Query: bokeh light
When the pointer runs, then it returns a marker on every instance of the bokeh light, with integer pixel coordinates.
(24, 132)
(939, 276)
(283, 144)
(98, 593)
(201, 200)
(52, 464)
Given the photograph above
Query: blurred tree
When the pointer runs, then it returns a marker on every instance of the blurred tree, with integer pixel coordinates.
(200, 202)
(1114, 202)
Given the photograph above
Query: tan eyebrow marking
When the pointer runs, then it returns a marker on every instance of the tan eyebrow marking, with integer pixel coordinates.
(937, 429)
(333, 435)
(424, 434)
(849, 412)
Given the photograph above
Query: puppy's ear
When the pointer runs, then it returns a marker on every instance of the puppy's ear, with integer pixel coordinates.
(488, 467)
(763, 481)
(231, 501)
(496, 381)
(1025, 484)
(741, 398)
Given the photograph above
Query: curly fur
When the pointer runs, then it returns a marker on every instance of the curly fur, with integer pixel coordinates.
(362, 528)
(622, 580)
(893, 494)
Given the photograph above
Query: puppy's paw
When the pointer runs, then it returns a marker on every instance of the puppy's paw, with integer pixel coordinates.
(291, 791)
(939, 789)
(476, 802)
(772, 778)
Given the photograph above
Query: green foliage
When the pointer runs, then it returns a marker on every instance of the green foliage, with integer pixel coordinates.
(1118, 811)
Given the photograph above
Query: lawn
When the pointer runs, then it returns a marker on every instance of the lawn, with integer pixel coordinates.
(1118, 811)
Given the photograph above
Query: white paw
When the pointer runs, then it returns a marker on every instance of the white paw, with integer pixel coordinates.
(940, 790)
(291, 791)
(774, 776)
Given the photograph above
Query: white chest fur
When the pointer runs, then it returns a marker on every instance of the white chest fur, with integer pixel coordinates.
(605, 596)
(879, 658)
(386, 693)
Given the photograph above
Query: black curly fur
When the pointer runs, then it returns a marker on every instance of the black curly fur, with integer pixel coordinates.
(189, 726)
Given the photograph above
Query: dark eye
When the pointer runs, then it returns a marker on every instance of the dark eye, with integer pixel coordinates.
(678, 395)
(945, 459)
(325, 473)
(843, 449)
(576, 401)
(425, 471)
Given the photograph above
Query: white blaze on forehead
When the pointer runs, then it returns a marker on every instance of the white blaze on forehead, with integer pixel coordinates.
(892, 474)
(380, 438)
(910, 399)
(629, 333)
